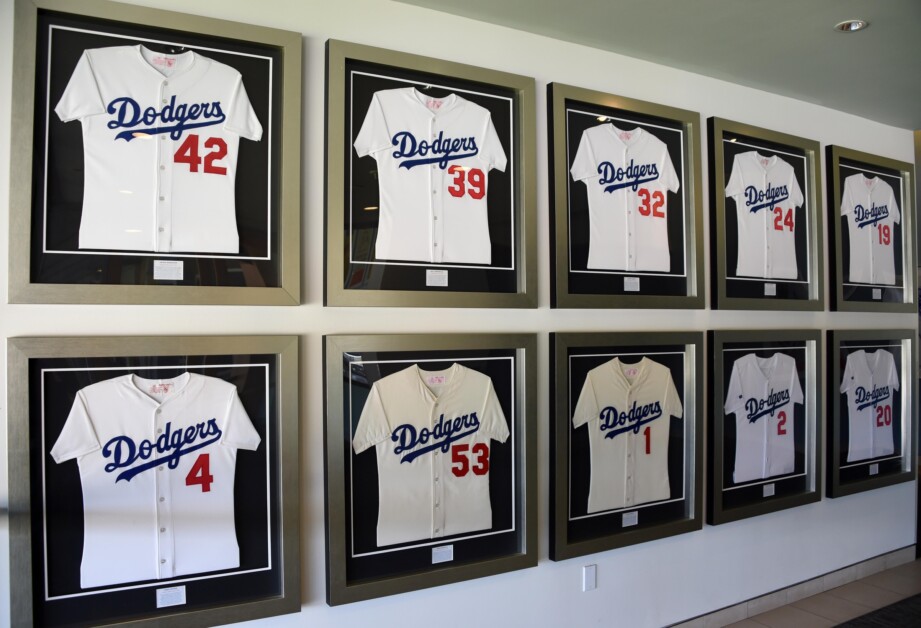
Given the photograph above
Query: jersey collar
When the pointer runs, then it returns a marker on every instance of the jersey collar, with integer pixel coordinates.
(448, 103)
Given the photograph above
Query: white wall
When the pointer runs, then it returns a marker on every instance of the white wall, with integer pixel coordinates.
(646, 585)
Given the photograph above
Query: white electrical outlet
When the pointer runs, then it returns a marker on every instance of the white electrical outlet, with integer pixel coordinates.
(589, 577)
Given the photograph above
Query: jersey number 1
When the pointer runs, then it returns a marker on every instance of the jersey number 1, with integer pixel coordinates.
(200, 473)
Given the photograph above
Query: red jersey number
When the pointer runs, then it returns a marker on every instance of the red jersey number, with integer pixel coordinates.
(460, 460)
(188, 153)
(651, 204)
(200, 473)
(781, 220)
(469, 181)
(883, 415)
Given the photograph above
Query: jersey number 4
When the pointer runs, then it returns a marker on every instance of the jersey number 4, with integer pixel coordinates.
(200, 473)
(460, 461)
(187, 153)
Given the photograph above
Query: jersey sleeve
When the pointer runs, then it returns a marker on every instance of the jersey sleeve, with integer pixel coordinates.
(373, 426)
(669, 177)
(894, 212)
(734, 401)
(848, 375)
(492, 152)
(239, 432)
(241, 118)
(893, 372)
(587, 405)
(796, 194)
(847, 203)
(584, 166)
(81, 97)
(493, 423)
(734, 185)
(78, 437)
(796, 389)
(672, 401)
(374, 135)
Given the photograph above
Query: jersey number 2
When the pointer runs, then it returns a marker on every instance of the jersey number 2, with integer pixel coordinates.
(187, 153)
(200, 473)
(781, 423)
(480, 454)
(470, 181)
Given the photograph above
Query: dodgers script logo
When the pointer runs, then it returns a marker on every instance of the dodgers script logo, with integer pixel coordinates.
(756, 199)
(441, 150)
(864, 216)
(757, 408)
(169, 447)
(172, 118)
(866, 398)
(442, 434)
(614, 422)
(631, 177)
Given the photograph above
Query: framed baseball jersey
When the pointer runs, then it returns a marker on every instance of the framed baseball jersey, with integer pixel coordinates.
(624, 439)
(765, 440)
(871, 213)
(765, 235)
(158, 159)
(427, 201)
(871, 396)
(155, 467)
(626, 204)
(431, 450)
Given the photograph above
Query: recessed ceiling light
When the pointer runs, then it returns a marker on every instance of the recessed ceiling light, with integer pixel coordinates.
(851, 26)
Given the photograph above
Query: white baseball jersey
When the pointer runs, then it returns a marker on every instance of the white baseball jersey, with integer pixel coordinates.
(766, 196)
(761, 394)
(627, 408)
(870, 381)
(156, 461)
(161, 136)
(627, 175)
(433, 156)
(872, 213)
(432, 431)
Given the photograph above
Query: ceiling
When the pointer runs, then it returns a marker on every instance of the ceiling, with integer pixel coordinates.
(786, 47)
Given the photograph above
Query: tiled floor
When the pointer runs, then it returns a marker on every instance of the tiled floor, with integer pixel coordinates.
(843, 603)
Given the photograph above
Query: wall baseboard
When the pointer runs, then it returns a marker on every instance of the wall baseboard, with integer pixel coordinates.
(801, 590)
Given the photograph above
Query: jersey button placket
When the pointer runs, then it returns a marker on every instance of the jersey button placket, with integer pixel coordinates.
(164, 181)
(164, 532)
(440, 461)
(439, 180)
